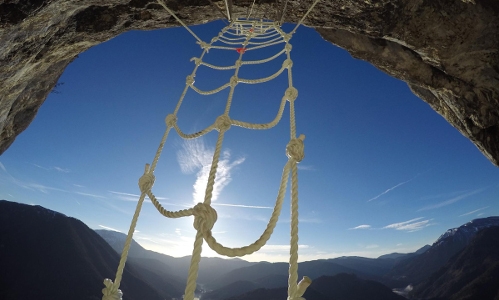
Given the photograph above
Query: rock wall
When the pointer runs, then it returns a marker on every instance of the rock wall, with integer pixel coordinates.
(446, 50)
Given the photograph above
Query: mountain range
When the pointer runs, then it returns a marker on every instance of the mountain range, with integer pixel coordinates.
(46, 255)
(59, 257)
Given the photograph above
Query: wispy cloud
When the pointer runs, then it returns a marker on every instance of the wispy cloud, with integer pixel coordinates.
(62, 170)
(272, 248)
(411, 225)
(109, 228)
(306, 167)
(373, 246)
(3, 167)
(472, 212)
(360, 227)
(90, 195)
(125, 196)
(196, 157)
(392, 188)
(451, 201)
(56, 168)
(135, 197)
(243, 206)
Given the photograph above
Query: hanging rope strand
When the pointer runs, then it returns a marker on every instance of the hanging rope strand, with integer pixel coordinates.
(305, 16)
(162, 3)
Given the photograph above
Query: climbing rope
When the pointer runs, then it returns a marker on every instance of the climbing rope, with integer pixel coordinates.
(241, 35)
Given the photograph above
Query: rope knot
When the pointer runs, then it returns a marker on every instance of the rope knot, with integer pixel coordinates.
(223, 123)
(204, 45)
(287, 63)
(197, 60)
(295, 148)
(205, 217)
(288, 47)
(239, 63)
(109, 292)
(146, 181)
(233, 81)
(214, 39)
(171, 120)
(291, 94)
(189, 80)
(286, 37)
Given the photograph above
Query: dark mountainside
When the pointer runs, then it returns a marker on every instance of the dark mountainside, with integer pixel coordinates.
(338, 287)
(47, 255)
(277, 271)
(209, 267)
(473, 274)
(416, 269)
(234, 289)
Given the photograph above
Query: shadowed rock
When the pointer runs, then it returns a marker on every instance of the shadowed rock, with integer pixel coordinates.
(446, 50)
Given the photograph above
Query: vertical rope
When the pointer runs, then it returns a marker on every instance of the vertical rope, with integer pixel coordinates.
(304, 16)
(293, 250)
(162, 3)
(194, 267)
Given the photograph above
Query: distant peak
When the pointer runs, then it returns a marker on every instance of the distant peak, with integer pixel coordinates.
(468, 230)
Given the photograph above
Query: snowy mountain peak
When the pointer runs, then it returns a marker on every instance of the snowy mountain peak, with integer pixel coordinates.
(467, 231)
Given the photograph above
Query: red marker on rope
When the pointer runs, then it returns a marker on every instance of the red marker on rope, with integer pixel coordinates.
(240, 50)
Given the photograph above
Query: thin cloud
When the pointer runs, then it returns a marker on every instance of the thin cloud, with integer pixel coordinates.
(125, 196)
(243, 206)
(135, 198)
(90, 195)
(392, 188)
(472, 212)
(109, 228)
(306, 167)
(196, 157)
(451, 201)
(3, 168)
(410, 226)
(373, 246)
(56, 168)
(281, 247)
(62, 170)
(360, 227)
(39, 187)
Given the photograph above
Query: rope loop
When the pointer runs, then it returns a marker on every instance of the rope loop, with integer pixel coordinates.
(171, 120)
(205, 217)
(109, 292)
(295, 148)
(223, 123)
(291, 94)
(146, 181)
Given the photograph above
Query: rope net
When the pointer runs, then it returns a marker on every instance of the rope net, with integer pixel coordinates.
(241, 36)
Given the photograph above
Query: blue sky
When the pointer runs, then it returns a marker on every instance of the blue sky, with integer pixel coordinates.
(382, 171)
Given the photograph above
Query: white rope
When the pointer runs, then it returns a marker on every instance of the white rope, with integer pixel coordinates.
(162, 3)
(204, 214)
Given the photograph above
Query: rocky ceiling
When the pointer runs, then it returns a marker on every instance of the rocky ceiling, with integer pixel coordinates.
(445, 50)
